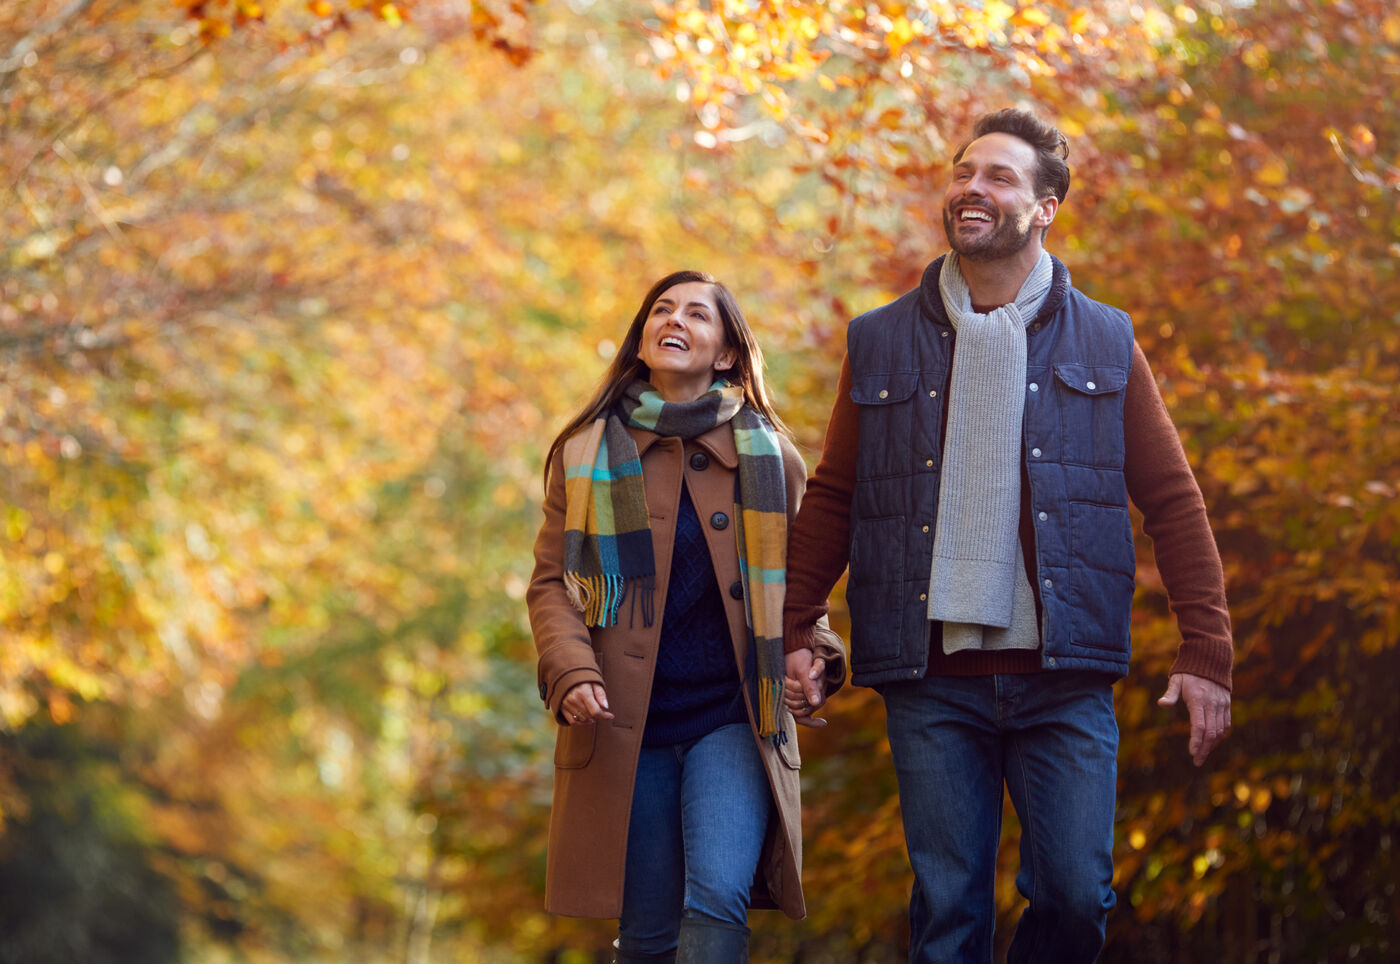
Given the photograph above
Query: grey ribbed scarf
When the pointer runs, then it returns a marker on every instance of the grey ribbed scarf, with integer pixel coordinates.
(978, 587)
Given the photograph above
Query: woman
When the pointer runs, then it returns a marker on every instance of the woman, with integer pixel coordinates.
(656, 605)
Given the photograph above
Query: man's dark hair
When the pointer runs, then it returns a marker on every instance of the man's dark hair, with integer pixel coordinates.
(1051, 147)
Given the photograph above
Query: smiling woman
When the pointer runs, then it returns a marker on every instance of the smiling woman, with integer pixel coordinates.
(677, 479)
(684, 344)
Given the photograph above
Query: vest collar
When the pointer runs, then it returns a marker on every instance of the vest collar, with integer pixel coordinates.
(931, 300)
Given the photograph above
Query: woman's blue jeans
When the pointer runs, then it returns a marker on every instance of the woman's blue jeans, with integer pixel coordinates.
(699, 814)
(1052, 739)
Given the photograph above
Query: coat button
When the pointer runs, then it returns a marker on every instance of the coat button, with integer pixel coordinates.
(544, 692)
(736, 589)
(719, 520)
(699, 461)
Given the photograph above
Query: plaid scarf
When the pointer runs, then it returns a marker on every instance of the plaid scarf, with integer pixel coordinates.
(607, 536)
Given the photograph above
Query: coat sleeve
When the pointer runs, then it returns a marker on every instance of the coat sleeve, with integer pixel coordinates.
(826, 643)
(565, 647)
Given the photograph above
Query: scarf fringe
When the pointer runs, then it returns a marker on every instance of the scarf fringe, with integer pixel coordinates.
(770, 700)
(600, 597)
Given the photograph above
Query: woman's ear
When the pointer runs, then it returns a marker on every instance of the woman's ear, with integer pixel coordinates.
(726, 360)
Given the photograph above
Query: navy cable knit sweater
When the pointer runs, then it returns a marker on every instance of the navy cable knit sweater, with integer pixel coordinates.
(696, 685)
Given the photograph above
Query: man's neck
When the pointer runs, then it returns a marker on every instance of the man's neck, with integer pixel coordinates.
(991, 284)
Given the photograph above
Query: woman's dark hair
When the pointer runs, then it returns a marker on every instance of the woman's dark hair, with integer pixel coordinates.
(1051, 147)
(627, 366)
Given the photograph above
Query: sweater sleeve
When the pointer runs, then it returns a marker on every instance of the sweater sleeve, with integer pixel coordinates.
(1161, 485)
(819, 543)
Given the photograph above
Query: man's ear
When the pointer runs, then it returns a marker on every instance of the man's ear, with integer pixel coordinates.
(1045, 211)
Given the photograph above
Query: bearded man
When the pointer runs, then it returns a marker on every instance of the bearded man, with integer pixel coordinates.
(989, 430)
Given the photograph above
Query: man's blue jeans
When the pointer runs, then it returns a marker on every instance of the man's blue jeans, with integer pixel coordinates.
(699, 815)
(1052, 739)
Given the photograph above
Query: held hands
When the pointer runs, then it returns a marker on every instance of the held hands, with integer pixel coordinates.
(585, 703)
(1209, 706)
(804, 687)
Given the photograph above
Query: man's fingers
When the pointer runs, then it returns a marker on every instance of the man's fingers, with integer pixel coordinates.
(1169, 698)
(814, 686)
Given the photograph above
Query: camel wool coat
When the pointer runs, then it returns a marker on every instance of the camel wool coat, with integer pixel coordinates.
(595, 764)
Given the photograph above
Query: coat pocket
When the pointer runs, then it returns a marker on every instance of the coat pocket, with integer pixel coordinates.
(787, 749)
(574, 748)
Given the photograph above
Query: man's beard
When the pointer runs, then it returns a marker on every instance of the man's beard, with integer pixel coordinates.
(1004, 240)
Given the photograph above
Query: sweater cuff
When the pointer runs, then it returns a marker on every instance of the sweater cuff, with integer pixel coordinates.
(1208, 658)
(800, 627)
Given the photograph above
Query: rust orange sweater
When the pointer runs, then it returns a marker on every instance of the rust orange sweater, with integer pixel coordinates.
(1159, 482)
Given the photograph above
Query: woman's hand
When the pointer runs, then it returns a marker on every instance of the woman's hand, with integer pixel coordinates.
(585, 703)
(804, 687)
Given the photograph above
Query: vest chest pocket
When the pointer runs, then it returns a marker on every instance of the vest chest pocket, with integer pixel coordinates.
(1090, 404)
(885, 401)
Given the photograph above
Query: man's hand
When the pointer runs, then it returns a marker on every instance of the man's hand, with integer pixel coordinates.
(804, 687)
(1209, 706)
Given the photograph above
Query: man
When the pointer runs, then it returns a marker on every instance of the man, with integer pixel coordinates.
(989, 429)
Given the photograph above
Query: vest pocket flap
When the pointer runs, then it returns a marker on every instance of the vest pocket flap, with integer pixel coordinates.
(884, 388)
(1092, 379)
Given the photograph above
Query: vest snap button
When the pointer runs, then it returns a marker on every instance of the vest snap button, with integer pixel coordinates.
(1044, 516)
(1035, 387)
(1090, 385)
(884, 394)
(929, 463)
(1049, 584)
(1035, 453)
(932, 394)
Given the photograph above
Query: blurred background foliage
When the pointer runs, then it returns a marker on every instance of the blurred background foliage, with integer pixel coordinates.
(294, 295)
